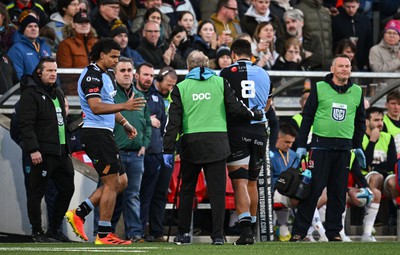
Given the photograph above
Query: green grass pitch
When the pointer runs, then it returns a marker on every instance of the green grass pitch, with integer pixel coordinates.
(279, 248)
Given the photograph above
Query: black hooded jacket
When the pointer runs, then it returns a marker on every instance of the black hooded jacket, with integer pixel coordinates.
(38, 122)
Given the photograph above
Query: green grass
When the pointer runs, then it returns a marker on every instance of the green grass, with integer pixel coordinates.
(355, 248)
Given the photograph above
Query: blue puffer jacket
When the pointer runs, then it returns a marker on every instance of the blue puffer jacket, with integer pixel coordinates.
(25, 57)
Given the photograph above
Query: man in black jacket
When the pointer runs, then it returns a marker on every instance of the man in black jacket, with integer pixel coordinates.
(43, 130)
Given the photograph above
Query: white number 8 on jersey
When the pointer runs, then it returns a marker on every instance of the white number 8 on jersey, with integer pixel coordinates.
(248, 89)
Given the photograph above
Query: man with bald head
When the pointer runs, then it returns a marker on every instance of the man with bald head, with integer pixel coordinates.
(198, 110)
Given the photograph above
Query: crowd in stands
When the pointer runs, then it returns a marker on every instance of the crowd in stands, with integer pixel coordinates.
(298, 35)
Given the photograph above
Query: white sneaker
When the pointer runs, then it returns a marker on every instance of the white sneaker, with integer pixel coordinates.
(309, 238)
(323, 238)
(367, 238)
(345, 238)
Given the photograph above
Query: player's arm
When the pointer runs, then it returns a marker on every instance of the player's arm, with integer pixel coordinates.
(98, 107)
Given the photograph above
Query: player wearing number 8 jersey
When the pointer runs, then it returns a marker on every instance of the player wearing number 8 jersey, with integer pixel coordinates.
(247, 139)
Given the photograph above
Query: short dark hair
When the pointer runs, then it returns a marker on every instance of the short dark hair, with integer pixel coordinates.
(182, 13)
(61, 4)
(222, 3)
(40, 65)
(371, 110)
(286, 129)
(143, 64)
(393, 95)
(339, 56)
(105, 45)
(151, 11)
(241, 47)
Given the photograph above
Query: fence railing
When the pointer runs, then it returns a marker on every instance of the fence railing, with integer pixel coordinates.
(287, 88)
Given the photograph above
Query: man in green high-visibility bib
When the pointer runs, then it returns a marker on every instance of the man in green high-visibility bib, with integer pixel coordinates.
(335, 109)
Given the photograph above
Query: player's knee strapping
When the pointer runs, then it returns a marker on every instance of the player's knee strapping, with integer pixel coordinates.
(253, 174)
(240, 173)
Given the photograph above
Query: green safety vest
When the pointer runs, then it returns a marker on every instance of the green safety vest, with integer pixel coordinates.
(336, 112)
(394, 131)
(203, 105)
(381, 148)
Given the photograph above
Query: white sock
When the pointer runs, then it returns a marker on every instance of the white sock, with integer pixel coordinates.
(282, 216)
(342, 233)
(369, 217)
(310, 230)
(283, 230)
(317, 224)
(322, 212)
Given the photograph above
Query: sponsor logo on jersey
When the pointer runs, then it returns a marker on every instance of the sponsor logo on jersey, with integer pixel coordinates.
(339, 111)
(234, 69)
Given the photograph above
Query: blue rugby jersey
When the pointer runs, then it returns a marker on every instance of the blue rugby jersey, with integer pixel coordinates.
(251, 84)
(93, 82)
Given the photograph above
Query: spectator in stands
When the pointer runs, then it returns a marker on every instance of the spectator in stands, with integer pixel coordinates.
(263, 45)
(7, 29)
(279, 7)
(153, 158)
(103, 18)
(385, 56)
(132, 152)
(165, 81)
(140, 20)
(226, 24)
(380, 152)
(26, 53)
(222, 59)
(128, 12)
(8, 76)
(290, 58)
(73, 52)
(119, 33)
(172, 8)
(347, 47)
(318, 23)
(311, 44)
(181, 40)
(206, 39)
(350, 24)
(18, 6)
(186, 20)
(151, 14)
(205, 144)
(43, 126)
(158, 55)
(259, 12)
(66, 11)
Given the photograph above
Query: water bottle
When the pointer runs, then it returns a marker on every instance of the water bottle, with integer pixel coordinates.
(304, 187)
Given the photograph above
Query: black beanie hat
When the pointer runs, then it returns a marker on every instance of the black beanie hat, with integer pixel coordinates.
(26, 21)
(118, 28)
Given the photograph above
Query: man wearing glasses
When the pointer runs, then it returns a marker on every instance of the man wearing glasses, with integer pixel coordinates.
(158, 55)
(104, 17)
(225, 21)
